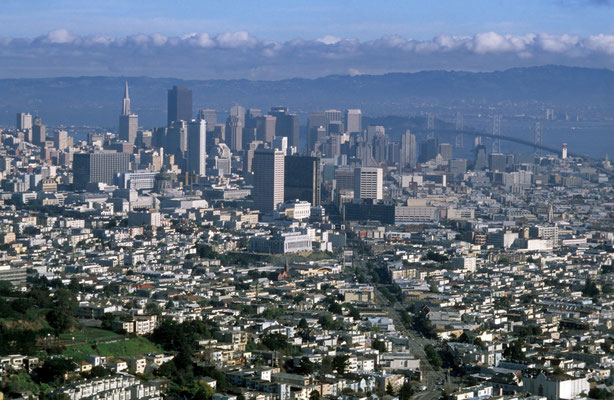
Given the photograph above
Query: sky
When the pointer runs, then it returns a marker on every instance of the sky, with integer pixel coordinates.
(272, 39)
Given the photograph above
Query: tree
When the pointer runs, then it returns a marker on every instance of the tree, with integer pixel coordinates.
(202, 391)
(389, 389)
(306, 366)
(432, 355)
(406, 391)
(62, 315)
(379, 346)
(327, 365)
(54, 370)
(514, 351)
(314, 395)
(303, 325)
(590, 288)
(335, 308)
(340, 363)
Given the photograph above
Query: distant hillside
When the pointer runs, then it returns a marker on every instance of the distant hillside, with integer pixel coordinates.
(97, 100)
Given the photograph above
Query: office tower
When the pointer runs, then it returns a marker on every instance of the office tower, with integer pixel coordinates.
(265, 128)
(368, 183)
(280, 143)
(497, 162)
(445, 150)
(344, 179)
(303, 179)
(408, 150)
(98, 167)
(60, 140)
(373, 131)
(428, 150)
(353, 121)
(177, 138)
(24, 121)
(564, 151)
(268, 167)
(210, 116)
(249, 157)
(392, 153)
(238, 111)
(197, 148)
(144, 138)
(481, 160)
(179, 104)
(286, 124)
(315, 121)
(457, 166)
(380, 144)
(128, 122)
(234, 132)
(39, 135)
(333, 116)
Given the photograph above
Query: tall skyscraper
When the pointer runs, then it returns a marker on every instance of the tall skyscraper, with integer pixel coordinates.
(316, 120)
(269, 171)
(332, 116)
(428, 150)
(303, 179)
(210, 116)
(408, 150)
(177, 138)
(98, 167)
(179, 104)
(445, 150)
(353, 121)
(197, 148)
(234, 132)
(128, 122)
(60, 140)
(39, 134)
(286, 124)
(265, 128)
(368, 183)
(24, 121)
(238, 111)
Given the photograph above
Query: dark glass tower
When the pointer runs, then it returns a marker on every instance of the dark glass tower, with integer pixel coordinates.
(179, 104)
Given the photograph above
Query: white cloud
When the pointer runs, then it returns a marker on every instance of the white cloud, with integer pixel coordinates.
(237, 54)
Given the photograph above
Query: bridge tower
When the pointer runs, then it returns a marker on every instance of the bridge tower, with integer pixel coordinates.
(538, 138)
(459, 128)
(496, 131)
(430, 126)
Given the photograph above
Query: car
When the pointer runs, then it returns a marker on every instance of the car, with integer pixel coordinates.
(422, 388)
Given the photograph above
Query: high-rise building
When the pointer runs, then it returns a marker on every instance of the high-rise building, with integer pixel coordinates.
(24, 121)
(60, 140)
(408, 150)
(128, 122)
(269, 171)
(564, 151)
(333, 116)
(39, 134)
(373, 131)
(315, 121)
(497, 162)
(380, 144)
(234, 132)
(210, 116)
(368, 183)
(353, 120)
(445, 150)
(428, 150)
(481, 159)
(179, 104)
(98, 167)
(286, 124)
(303, 179)
(265, 128)
(177, 138)
(238, 111)
(197, 148)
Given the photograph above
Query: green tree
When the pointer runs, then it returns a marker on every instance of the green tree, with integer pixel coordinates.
(340, 363)
(62, 315)
(327, 365)
(389, 389)
(406, 391)
(303, 325)
(314, 395)
(306, 366)
(590, 288)
(432, 355)
(202, 391)
(379, 346)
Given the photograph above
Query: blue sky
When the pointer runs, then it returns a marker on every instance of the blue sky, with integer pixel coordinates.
(285, 20)
(255, 38)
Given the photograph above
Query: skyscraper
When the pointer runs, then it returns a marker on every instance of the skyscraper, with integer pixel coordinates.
(24, 121)
(197, 149)
(210, 116)
(265, 128)
(268, 166)
(179, 104)
(60, 140)
(408, 150)
(39, 134)
(286, 124)
(428, 150)
(368, 183)
(445, 150)
(316, 120)
(234, 132)
(98, 167)
(303, 179)
(177, 138)
(353, 121)
(128, 122)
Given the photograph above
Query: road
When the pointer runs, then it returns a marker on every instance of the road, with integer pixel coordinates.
(430, 377)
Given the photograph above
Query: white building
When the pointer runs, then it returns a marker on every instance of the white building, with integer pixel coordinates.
(368, 183)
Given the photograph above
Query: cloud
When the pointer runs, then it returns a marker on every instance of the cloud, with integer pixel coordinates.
(239, 55)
